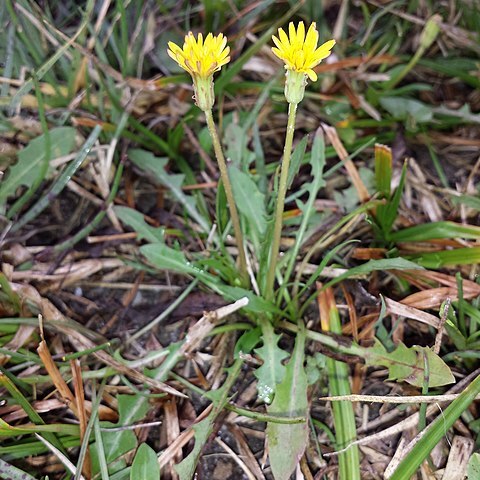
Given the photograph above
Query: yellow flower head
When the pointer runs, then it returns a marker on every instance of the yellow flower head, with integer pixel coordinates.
(299, 51)
(201, 58)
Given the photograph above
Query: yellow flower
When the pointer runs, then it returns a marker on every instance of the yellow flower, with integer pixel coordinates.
(299, 51)
(201, 59)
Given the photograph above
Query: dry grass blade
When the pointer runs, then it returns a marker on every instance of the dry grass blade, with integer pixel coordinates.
(402, 310)
(82, 412)
(171, 428)
(175, 448)
(52, 316)
(460, 451)
(332, 135)
(68, 464)
(57, 378)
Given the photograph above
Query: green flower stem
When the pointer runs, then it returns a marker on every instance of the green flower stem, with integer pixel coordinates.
(282, 190)
(229, 194)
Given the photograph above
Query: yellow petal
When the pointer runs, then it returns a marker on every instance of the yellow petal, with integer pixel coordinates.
(311, 75)
(277, 52)
(283, 37)
(174, 47)
(300, 34)
(292, 34)
(276, 41)
(299, 60)
(172, 55)
(223, 43)
(311, 39)
(323, 51)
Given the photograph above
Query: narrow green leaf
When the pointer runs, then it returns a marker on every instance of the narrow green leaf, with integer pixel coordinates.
(250, 201)
(255, 303)
(145, 464)
(339, 384)
(391, 209)
(135, 220)
(402, 108)
(33, 415)
(468, 200)
(383, 169)
(24, 172)
(435, 231)
(203, 429)
(167, 258)
(372, 265)
(7, 430)
(296, 160)
(290, 401)
(60, 182)
(155, 166)
(458, 256)
(317, 162)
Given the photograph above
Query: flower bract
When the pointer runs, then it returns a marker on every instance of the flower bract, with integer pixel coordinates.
(299, 50)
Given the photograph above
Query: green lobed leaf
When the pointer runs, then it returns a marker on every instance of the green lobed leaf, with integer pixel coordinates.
(287, 442)
(203, 429)
(272, 371)
(135, 220)
(408, 364)
(247, 342)
(25, 171)
(145, 464)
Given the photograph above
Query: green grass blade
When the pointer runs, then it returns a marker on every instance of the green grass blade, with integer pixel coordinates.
(434, 433)
(435, 231)
(338, 380)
